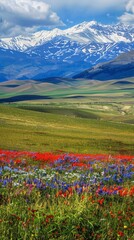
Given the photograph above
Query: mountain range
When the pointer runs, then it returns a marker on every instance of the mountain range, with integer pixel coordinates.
(63, 53)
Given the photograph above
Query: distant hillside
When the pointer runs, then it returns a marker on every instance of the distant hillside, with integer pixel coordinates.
(61, 88)
(121, 67)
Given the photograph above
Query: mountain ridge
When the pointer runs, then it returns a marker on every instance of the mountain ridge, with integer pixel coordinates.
(119, 68)
(63, 53)
(85, 32)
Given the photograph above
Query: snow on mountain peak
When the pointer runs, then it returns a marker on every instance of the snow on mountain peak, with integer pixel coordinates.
(84, 33)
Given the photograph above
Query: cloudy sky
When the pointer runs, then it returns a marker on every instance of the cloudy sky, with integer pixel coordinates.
(27, 16)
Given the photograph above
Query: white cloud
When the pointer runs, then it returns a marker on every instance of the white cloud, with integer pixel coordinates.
(128, 16)
(130, 6)
(19, 16)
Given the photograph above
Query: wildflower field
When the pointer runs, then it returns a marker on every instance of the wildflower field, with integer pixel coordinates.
(66, 196)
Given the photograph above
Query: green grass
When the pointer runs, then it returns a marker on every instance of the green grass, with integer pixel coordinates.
(68, 130)
(62, 111)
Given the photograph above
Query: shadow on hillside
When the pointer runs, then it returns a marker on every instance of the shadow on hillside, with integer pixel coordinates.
(75, 97)
(23, 98)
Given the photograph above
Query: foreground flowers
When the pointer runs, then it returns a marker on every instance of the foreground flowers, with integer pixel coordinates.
(66, 196)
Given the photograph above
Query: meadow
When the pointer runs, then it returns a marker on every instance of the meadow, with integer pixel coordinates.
(78, 131)
(67, 167)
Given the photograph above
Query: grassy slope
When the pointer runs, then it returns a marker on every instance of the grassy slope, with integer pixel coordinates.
(39, 131)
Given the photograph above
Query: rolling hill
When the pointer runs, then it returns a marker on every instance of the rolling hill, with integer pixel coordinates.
(61, 88)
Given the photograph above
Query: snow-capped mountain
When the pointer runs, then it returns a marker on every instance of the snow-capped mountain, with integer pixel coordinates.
(63, 52)
(83, 33)
(22, 43)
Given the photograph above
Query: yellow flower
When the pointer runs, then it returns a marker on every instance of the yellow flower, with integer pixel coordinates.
(125, 227)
